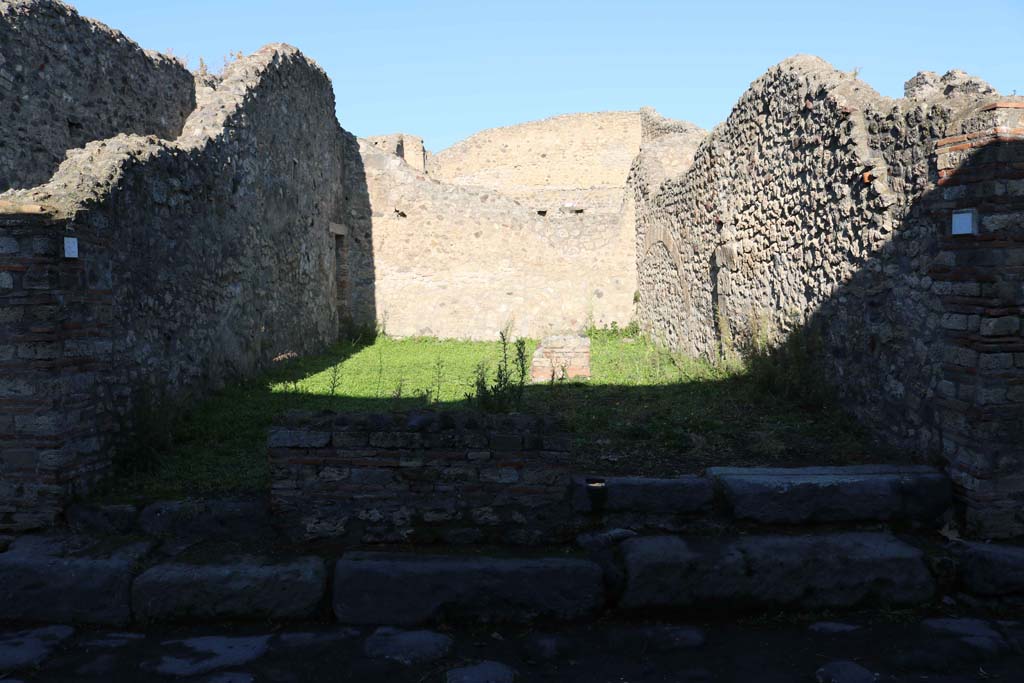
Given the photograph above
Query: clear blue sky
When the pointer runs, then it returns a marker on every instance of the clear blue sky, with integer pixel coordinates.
(444, 69)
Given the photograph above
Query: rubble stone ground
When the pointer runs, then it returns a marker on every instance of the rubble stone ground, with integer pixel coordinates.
(845, 649)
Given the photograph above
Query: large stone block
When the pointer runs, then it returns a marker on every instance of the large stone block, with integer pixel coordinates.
(240, 590)
(404, 589)
(834, 494)
(42, 582)
(991, 569)
(681, 495)
(805, 572)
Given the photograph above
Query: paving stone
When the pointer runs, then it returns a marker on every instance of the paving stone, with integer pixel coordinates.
(545, 647)
(844, 672)
(405, 589)
(114, 640)
(484, 672)
(977, 633)
(308, 639)
(25, 649)
(834, 494)
(101, 665)
(245, 589)
(832, 627)
(808, 572)
(39, 582)
(407, 647)
(230, 677)
(992, 569)
(680, 495)
(655, 638)
(209, 653)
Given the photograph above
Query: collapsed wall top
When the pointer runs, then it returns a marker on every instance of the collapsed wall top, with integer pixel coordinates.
(66, 80)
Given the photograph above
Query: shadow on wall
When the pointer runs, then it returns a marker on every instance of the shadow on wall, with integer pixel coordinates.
(196, 261)
(924, 342)
(355, 268)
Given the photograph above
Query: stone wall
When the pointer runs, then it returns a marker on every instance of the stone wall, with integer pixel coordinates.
(407, 147)
(530, 225)
(576, 161)
(451, 261)
(814, 205)
(66, 80)
(422, 476)
(198, 260)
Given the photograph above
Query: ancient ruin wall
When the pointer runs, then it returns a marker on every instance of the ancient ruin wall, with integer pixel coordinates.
(575, 160)
(530, 224)
(402, 145)
(66, 80)
(816, 204)
(199, 260)
(463, 262)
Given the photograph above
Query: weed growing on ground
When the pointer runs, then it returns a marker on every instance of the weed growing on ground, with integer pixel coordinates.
(505, 392)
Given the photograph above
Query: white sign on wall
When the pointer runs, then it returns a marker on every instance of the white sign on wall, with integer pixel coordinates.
(965, 222)
(70, 247)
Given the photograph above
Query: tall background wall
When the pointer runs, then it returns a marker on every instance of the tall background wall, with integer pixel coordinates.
(199, 260)
(816, 204)
(66, 80)
(573, 161)
(463, 262)
(529, 224)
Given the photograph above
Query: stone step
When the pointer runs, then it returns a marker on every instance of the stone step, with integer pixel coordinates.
(244, 589)
(678, 495)
(837, 570)
(859, 493)
(992, 570)
(404, 589)
(46, 580)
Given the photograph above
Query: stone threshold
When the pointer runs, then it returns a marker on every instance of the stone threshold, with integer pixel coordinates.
(42, 581)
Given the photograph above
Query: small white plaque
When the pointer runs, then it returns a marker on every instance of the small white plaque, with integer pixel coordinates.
(965, 222)
(70, 247)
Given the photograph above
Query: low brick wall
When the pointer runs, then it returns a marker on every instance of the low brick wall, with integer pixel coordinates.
(421, 476)
(561, 357)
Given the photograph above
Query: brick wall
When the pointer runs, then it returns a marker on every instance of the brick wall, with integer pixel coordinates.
(981, 276)
(54, 345)
(421, 476)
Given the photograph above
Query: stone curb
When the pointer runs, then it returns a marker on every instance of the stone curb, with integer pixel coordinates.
(802, 572)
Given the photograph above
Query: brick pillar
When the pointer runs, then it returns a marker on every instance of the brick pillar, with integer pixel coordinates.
(980, 278)
(54, 347)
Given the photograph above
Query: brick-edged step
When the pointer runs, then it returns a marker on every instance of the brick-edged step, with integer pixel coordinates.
(804, 572)
(45, 580)
(858, 493)
(244, 589)
(678, 495)
(404, 589)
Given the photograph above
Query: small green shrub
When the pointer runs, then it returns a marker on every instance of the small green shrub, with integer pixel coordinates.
(790, 370)
(505, 392)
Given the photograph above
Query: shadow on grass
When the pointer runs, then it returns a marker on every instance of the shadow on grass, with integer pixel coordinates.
(645, 412)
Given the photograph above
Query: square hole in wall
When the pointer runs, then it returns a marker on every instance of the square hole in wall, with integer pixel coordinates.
(965, 222)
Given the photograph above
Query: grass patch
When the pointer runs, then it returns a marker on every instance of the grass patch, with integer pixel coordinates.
(644, 411)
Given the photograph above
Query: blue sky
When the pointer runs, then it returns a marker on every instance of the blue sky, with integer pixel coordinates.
(447, 68)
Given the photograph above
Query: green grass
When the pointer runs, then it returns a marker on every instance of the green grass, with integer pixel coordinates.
(644, 411)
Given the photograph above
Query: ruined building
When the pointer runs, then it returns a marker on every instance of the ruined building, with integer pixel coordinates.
(162, 234)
